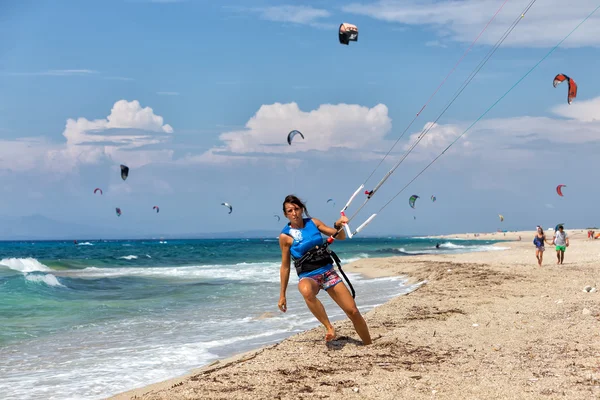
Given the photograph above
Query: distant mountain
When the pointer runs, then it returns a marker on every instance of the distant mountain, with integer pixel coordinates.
(39, 227)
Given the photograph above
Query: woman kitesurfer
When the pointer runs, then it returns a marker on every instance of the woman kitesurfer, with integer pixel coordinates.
(299, 238)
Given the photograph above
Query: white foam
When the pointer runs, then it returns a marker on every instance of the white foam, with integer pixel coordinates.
(48, 279)
(85, 244)
(24, 265)
(254, 272)
(129, 257)
(449, 245)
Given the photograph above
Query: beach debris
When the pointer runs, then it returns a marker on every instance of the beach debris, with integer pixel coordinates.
(475, 325)
(434, 391)
(589, 289)
(559, 301)
(586, 311)
(355, 389)
(292, 134)
(449, 270)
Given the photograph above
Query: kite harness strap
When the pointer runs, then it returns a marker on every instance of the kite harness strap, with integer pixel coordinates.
(320, 256)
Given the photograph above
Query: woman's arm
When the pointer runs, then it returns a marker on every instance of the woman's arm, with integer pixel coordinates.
(285, 242)
(327, 230)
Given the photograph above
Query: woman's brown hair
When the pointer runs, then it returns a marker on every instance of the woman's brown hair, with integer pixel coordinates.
(295, 200)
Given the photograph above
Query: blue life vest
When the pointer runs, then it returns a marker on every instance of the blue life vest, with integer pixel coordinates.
(304, 240)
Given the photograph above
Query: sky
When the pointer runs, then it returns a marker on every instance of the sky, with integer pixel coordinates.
(197, 98)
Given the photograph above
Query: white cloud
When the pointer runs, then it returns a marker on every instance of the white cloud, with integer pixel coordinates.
(302, 15)
(462, 20)
(330, 126)
(581, 110)
(129, 126)
(57, 72)
(123, 135)
(22, 154)
(118, 78)
(437, 138)
(435, 43)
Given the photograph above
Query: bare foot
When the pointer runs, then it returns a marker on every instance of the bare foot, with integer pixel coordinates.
(330, 335)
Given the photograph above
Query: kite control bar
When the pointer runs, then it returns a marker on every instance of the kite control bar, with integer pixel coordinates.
(346, 226)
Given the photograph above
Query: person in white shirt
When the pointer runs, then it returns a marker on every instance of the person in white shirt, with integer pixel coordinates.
(561, 241)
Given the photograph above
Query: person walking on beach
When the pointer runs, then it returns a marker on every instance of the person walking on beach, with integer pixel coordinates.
(296, 239)
(539, 240)
(561, 241)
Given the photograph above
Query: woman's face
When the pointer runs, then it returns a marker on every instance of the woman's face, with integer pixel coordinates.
(293, 212)
(539, 230)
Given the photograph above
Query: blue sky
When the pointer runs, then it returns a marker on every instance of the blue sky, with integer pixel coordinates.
(197, 97)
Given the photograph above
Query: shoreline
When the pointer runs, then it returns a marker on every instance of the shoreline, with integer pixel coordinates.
(426, 341)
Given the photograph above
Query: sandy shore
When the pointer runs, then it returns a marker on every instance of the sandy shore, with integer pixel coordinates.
(489, 325)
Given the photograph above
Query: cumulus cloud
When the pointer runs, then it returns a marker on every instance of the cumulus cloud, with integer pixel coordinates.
(347, 126)
(434, 138)
(581, 110)
(128, 127)
(462, 20)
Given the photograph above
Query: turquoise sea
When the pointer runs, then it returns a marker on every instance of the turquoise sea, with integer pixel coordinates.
(92, 319)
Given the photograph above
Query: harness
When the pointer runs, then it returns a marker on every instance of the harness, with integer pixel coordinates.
(317, 257)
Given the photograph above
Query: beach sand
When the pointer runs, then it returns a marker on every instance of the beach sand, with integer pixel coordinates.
(488, 325)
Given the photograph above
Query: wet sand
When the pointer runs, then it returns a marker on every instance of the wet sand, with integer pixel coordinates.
(488, 325)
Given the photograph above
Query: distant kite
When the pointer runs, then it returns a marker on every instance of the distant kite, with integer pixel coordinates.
(412, 199)
(278, 217)
(124, 171)
(348, 33)
(118, 211)
(501, 217)
(433, 198)
(559, 189)
(292, 134)
(228, 206)
(97, 190)
(328, 200)
(560, 78)
(155, 208)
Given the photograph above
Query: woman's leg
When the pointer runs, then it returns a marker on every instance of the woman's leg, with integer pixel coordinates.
(309, 290)
(343, 298)
(539, 255)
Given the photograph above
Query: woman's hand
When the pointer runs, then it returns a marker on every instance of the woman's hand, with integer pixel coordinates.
(343, 220)
(282, 303)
